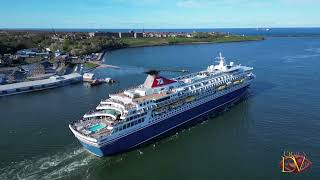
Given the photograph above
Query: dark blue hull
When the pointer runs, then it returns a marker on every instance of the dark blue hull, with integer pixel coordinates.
(165, 126)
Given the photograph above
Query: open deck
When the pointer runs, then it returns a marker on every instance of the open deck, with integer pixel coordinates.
(149, 97)
(95, 127)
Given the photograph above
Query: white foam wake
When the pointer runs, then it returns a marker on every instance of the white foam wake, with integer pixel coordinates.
(299, 57)
(315, 50)
(60, 165)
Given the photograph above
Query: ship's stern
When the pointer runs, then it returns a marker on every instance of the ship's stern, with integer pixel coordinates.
(89, 144)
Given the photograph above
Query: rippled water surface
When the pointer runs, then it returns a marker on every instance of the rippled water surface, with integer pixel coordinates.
(245, 142)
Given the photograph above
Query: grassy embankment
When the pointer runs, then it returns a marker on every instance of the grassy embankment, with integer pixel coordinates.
(90, 65)
(131, 42)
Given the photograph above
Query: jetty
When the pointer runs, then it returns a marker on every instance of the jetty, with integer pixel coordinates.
(93, 81)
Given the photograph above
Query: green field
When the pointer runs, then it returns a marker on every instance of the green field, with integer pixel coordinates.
(89, 65)
(132, 42)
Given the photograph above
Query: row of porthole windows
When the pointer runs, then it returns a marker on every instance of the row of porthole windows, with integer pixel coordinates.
(201, 101)
(144, 103)
(181, 108)
(133, 123)
(177, 110)
(222, 93)
(136, 116)
(166, 115)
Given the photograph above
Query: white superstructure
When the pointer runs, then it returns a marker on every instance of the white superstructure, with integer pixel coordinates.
(156, 100)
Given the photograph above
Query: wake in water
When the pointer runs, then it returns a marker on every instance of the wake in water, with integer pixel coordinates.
(315, 53)
(127, 70)
(60, 165)
(295, 58)
(314, 50)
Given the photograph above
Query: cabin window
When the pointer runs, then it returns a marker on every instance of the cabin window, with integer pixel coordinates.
(162, 99)
(4, 92)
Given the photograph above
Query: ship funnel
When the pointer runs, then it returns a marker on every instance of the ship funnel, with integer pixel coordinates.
(154, 80)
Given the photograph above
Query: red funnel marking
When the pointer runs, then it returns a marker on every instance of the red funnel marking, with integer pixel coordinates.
(161, 81)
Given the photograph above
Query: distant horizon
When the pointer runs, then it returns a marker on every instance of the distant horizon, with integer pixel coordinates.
(45, 28)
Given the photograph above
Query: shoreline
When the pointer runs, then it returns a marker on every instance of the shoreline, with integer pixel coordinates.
(102, 65)
(99, 64)
(189, 43)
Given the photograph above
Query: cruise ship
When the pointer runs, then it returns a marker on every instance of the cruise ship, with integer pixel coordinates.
(160, 105)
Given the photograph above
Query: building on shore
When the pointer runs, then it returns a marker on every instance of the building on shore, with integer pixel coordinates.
(126, 34)
(138, 35)
(37, 85)
(105, 34)
(130, 34)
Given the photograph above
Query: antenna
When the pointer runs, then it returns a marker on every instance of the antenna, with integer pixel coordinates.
(221, 59)
(54, 31)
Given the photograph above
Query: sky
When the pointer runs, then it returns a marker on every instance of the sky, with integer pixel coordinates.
(138, 14)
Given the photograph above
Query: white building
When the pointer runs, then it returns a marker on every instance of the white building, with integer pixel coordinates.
(88, 77)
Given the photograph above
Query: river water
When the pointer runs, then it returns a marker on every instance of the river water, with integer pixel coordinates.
(246, 142)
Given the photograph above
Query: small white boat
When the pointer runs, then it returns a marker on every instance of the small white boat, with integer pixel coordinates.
(88, 77)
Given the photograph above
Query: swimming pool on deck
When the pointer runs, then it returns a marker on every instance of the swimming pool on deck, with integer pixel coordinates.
(97, 127)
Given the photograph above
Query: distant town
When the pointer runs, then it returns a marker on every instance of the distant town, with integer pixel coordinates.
(37, 55)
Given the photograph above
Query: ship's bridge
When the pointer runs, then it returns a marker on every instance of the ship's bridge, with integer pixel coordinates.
(222, 66)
